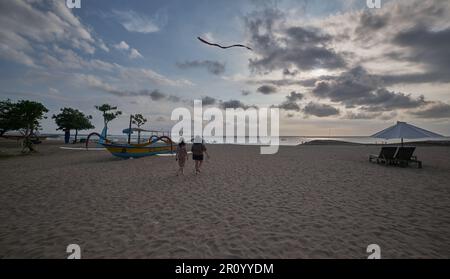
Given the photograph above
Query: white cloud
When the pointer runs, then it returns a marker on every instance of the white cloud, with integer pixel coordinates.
(208, 36)
(134, 22)
(53, 90)
(66, 59)
(122, 45)
(102, 45)
(26, 26)
(142, 75)
(135, 54)
(8, 53)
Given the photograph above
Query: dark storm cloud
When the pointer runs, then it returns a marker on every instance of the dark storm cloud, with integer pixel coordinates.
(312, 81)
(267, 89)
(383, 99)
(287, 72)
(301, 35)
(422, 38)
(362, 115)
(434, 110)
(357, 87)
(174, 99)
(290, 115)
(156, 95)
(214, 67)
(427, 47)
(370, 22)
(294, 96)
(234, 104)
(246, 92)
(300, 47)
(289, 82)
(291, 102)
(306, 58)
(289, 106)
(320, 110)
(276, 82)
(206, 101)
(427, 77)
(264, 20)
(370, 115)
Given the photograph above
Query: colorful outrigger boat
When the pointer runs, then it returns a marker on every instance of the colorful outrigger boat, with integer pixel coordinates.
(155, 145)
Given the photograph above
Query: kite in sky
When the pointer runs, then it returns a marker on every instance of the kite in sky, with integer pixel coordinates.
(217, 45)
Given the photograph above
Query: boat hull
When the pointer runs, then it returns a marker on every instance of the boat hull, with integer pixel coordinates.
(130, 151)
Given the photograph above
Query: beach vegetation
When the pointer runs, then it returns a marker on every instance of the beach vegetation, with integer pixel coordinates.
(72, 119)
(23, 116)
(109, 113)
(7, 121)
(138, 120)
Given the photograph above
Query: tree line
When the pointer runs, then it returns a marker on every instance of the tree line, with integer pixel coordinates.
(25, 116)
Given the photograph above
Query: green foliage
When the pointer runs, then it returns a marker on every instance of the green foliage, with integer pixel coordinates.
(84, 123)
(30, 114)
(138, 120)
(72, 119)
(109, 113)
(24, 115)
(6, 117)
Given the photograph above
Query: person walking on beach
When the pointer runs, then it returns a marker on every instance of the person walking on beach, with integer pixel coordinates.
(181, 157)
(198, 148)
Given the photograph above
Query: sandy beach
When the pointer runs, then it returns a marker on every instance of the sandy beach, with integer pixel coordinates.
(305, 201)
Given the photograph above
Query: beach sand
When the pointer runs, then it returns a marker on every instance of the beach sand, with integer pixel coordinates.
(306, 201)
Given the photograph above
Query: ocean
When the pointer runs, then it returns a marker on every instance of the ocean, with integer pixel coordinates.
(283, 140)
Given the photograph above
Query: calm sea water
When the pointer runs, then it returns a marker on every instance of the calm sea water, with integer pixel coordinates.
(283, 140)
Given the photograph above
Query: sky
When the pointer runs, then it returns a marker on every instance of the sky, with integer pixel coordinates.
(334, 68)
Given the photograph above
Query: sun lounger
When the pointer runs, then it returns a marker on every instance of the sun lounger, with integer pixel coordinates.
(405, 155)
(386, 155)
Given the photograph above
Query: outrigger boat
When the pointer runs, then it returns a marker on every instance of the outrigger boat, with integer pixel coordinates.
(155, 145)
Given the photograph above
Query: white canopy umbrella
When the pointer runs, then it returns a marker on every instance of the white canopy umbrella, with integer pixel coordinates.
(403, 130)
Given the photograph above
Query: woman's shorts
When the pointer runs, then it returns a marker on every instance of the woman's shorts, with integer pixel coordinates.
(197, 157)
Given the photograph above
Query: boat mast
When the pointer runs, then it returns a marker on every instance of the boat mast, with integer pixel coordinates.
(129, 129)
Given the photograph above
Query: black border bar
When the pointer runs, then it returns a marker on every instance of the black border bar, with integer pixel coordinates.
(279, 268)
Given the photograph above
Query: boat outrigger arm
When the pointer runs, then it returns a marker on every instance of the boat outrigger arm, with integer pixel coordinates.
(155, 145)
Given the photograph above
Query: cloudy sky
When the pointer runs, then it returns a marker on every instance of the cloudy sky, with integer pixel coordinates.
(332, 67)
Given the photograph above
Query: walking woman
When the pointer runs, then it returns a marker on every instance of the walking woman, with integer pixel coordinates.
(181, 156)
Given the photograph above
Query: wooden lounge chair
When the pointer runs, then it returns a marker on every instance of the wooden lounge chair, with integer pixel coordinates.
(405, 155)
(386, 155)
